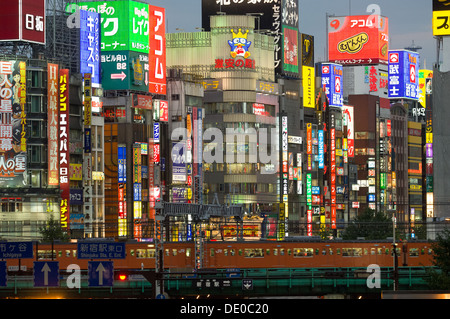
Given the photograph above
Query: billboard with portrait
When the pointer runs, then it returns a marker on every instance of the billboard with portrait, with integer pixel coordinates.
(13, 120)
(354, 40)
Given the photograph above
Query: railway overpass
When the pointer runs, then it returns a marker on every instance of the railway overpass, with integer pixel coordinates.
(226, 283)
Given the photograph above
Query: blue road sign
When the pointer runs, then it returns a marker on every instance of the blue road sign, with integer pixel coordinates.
(101, 250)
(3, 273)
(101, 273)
(46, 273)
(22, 249)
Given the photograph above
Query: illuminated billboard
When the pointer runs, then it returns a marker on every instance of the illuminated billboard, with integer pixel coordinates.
(52, 124)
(333, 84)
(354, 40)
(157, 51)
(441, 17)
(124, 24)
(270, 15)
(403, 74)
(90, 44)
(23, 20)
(13, 147)
(64, 147)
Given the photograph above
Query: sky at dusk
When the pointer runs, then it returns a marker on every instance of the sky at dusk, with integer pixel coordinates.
(409, 21)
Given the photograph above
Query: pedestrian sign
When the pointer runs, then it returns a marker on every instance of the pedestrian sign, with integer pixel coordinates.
(46, 273)
(101, 273)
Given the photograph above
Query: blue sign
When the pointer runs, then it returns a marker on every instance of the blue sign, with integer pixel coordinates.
(90, 44)
(403, 74)
(332, 80)
(87, 140)
(321, 152)
(315, 190)
(101, 273)
(16, 250)
(188, 232)
(100, 250)
(371, 198)
(3, 272)
(156, 132)
(137, 196)
(46, 273)
(121, 168)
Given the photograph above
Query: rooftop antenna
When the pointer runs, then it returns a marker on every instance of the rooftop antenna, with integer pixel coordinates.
(413, 47)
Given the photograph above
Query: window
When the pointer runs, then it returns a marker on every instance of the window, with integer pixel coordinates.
(414, 252)
(352, 252)
(303, 252)
(253, 252)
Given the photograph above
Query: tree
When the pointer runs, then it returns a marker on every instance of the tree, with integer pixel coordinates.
(440, 278)
(53, 231)
(370, 225)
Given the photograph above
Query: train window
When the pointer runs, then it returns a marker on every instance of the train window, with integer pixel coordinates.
(174, 252)
(422, 251)
(145, 253)
(289, 251)
(167, 252)
(240, 252)
(430, 251)
(380, 251)
(254, 252)
(232, 252)
(324, 252)
(275, 252)
(225, 252)
(330, 251)
(211, 252)
(46, 254)
(132, 252)
(317, 251)
(268, 252)
(372, 251)
(67, 253)
(352, 252)
(366, 251)
(386, 251)
(303, 252)
(413, 252)
(188, 252)
(281, 251)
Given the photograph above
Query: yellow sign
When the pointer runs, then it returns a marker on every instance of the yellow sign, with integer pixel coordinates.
(308, 86)
(441, 22)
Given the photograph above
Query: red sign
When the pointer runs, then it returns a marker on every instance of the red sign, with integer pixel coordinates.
(157, 53)
(358, 39)
(23, 20)
(164, 111)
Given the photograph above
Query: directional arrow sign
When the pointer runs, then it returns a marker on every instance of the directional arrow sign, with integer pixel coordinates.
(118, 76)
(46, 273)
(101, 273)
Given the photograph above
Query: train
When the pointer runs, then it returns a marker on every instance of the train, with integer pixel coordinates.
(181, 256)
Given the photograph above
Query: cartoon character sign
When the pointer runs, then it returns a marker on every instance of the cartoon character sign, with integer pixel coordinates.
(239, 45)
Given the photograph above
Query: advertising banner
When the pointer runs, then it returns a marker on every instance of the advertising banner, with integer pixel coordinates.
(178, 162)
(90, 44)
(332, 81)
(13, 120)
(157, 52)
(441, 17)
(403, 76)
(354, 40)
(52, 124)
(64, 147)
(349, 123)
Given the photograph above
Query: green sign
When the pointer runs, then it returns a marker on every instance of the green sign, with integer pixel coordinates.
(124, 70)
(124, 24)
